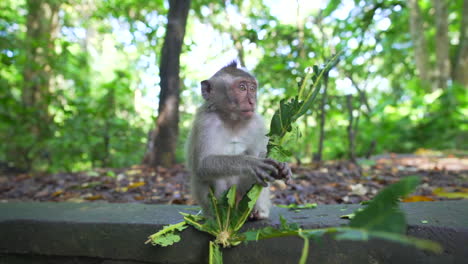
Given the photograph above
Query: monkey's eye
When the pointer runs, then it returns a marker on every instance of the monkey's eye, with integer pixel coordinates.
(242, 87)
(252, 88)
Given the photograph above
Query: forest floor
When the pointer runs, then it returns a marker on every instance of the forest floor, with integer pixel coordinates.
(442, 178)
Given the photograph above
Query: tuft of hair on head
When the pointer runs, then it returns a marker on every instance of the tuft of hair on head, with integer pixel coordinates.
(232, 64)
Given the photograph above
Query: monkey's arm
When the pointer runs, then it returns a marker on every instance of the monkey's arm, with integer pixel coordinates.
(219, 166)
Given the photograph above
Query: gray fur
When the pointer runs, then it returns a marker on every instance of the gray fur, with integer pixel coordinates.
(224, 149)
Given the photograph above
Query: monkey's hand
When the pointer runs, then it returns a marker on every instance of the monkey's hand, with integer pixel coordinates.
(264, 170)
(268, 170)
(283, 170)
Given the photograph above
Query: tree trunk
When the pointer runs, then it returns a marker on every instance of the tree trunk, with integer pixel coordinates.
(351, 129)
(421, 54)
(442, 43)
(42, 27)
(162, 146)
(318, 156)
(460, 61)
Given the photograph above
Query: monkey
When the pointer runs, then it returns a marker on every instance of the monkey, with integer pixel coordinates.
(227, 142)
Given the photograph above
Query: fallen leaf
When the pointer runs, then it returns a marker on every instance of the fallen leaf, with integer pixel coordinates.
(348, 216)
(138, 197)
(94, 197)
(442, 193)
(93, 174)
(135, 185)
(417, 198)
(133, 172)
(57, 193)
(358, 189)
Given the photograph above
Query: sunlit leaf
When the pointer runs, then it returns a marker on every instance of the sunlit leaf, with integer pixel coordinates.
(417, 198)
(57, 193)
(453, 195)
(135, 185)
(94, 197)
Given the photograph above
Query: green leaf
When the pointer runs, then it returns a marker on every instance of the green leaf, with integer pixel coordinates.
(215, 209)
(231, 196)
(245, 207)
(284, 225)
(216, 256)
(382, 213)
(342, 233)
(364, 235)
(348, 216)
(299, 206)
(168, 235)
(200, 223)
(332, 6)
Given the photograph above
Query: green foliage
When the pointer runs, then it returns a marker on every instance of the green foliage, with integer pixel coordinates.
(291, 109)
(168, 235)
(228, 217)
(382, 213)
(381, 219)
(86, 118)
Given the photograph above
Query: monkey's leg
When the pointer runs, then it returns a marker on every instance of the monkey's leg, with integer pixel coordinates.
(261, 209)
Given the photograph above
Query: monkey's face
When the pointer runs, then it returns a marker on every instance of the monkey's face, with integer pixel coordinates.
(243, 95)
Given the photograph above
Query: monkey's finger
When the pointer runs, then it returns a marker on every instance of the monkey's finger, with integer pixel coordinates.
(258, 178)
(273, 162)
(264, 175)
(282, 168)
(286, 170)
(267, 167)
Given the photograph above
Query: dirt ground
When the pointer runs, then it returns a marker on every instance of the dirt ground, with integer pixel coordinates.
(442, 178)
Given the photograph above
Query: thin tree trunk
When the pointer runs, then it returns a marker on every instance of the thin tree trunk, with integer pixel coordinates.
(442, 43)
(351, 129)
(460, 61)
(421, 54)
(300, 30)
(164, 138)
(318, 156)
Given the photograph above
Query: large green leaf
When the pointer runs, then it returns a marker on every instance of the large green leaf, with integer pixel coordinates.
(382, 213)
(364, 235)
(245, 207)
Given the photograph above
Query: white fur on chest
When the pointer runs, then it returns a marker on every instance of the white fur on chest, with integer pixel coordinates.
(236, 145)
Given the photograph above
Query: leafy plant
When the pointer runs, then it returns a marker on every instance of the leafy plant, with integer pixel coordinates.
(381, 219)
(290, 109)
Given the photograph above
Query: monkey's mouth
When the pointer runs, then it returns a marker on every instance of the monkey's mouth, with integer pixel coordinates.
(247, 113)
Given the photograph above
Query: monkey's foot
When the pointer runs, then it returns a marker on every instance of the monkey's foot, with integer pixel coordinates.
(258, 215)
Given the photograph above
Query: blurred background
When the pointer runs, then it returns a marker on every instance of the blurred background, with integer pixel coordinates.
(81, 80)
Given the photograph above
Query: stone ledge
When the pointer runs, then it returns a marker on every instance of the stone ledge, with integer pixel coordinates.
(115, 233)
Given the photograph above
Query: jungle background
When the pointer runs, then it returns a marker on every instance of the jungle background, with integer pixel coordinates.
(97, 97)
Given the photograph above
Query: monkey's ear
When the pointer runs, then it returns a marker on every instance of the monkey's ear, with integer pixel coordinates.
(206, 89)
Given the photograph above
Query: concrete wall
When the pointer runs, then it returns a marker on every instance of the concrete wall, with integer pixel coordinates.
(115, 234)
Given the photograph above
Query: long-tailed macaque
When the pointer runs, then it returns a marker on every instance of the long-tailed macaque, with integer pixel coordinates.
(227, 144)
